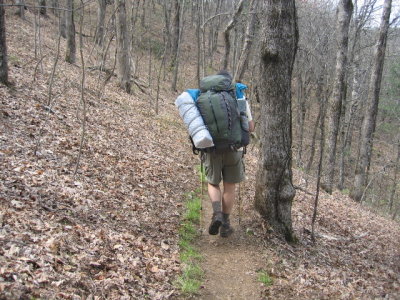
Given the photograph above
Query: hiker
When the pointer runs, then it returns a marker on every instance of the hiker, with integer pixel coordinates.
(227, 166)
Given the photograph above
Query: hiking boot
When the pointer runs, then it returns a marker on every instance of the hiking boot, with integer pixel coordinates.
(226, 230)
(216, 222)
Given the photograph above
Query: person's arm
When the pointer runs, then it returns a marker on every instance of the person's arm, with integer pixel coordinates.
(250, 118)
(251, 126)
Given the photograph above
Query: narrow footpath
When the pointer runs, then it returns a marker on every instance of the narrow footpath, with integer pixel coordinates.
(230, 264)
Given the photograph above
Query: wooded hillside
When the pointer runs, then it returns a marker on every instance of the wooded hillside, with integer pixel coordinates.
(96, 162)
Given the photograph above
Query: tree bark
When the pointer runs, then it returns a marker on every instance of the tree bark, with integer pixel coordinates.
(175, 32)
(227, 31)
(319, 122)
(176, 55)
(70, 56)
(3, 46)
(124, 65)
(101, 16)
(344, 12)
(395, 176)
(274, 188)
(21, 8)
(42, 10)
(245, 52)
(369, 122)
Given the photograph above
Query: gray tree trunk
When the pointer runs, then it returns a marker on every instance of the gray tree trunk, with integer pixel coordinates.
(21, 8)
(344, 12)
(175, 32)
(369, 122)
(227, 31)
(321, 96)
(3, 46)
(123, 59)
(274, 188)
(176, 55)
(395, 176)
(70, 56)
(42, 10)
(101, 16)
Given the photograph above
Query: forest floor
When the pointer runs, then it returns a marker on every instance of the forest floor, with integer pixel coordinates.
(105, 226)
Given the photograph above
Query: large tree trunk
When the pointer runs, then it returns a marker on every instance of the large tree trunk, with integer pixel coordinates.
(245, 52)
(274, 188)
(227, 31)
(101, 16)
(3, 46)
(369, 122)
(124, 65)
(344, 12)
(70, 56)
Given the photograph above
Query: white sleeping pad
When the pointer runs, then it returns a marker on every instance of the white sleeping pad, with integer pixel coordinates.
(194, 122)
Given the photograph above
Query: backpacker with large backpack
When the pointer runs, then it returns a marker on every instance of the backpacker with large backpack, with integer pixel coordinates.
(223, 114)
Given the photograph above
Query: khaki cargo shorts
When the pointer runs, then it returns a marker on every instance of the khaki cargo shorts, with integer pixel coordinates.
(228, 167)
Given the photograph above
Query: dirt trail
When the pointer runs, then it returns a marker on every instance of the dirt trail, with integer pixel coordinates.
(230, 264)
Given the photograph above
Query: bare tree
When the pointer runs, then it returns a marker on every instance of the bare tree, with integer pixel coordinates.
(369, 122)
(3, 46)
(227, 31)
(70, 56)
(42, 7)
(274, 188)
(245, 52)
(395, 176)
(176, 54)
(176, 29)
(21, 8)
(124, 65)
(101, 16)
(344, 12)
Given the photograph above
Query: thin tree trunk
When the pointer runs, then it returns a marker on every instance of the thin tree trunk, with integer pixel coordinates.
(318, 122)
(227, 31)
(3, 46)
(321, 153)
(83, 100)
(42, 9)
(369, 122)
(101, 16)
(70, 56)
(124, 66)
(274, 188)
(395, 176)
(241, 66)
(175, 32)
(175, 79)
(21, 8)
(344, 12)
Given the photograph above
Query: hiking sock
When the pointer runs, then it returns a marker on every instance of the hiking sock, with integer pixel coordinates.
(216, 205)
(225, 218)
(226, 229)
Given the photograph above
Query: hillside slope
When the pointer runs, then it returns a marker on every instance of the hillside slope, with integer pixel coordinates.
(110, 231)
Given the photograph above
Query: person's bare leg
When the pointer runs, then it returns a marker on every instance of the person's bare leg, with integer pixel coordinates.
(214, 193)
(228, 197)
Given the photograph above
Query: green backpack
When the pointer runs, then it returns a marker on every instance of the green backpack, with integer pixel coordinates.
(219, 108)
